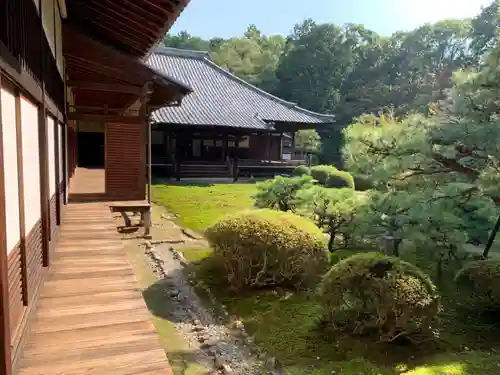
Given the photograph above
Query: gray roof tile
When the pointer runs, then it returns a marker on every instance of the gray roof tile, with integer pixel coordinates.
(219, 97)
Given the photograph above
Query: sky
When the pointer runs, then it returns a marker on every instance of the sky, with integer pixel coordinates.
(227, 18)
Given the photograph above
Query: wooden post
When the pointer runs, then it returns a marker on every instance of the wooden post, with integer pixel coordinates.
(20, 178)
(42, 144)
(281, 147)
(224, 147)
(58, 175)
(293, 147)
(5, 338)
(65, 161)
(144, 113)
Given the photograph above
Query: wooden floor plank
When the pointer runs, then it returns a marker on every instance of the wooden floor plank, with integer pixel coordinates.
(91, 319)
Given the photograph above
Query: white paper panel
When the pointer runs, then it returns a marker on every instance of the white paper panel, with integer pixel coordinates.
(10, 168)
(31, 163)
(51, 155)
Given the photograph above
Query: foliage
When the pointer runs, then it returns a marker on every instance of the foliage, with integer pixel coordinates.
(339, 179)
(280, 192)
(485, 29)
(362, 183)
(285, 324)
(268, 248)
(321, 173)
(253, 57)
(332, 209)
(443, 169)
(330, 176)
(308, 140)
(480, 281)
(301, 170)
(371, 293)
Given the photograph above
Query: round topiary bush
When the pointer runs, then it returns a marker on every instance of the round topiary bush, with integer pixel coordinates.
(260, 248)
(301, 170)
(375, 294)
(322, 172)
(340, 179)
(480, 281)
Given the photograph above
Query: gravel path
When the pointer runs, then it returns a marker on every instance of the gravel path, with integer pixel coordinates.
(225, 347)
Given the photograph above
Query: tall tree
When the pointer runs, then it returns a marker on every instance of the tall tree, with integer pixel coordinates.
(486, 28)
(448, 163)
(253, 58)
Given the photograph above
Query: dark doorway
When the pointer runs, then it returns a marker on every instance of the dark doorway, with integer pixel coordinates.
(91, 150)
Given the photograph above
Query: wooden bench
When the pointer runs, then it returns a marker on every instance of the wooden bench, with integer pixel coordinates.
(143, 208)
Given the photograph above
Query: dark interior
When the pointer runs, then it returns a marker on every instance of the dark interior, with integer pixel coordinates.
(91, 150)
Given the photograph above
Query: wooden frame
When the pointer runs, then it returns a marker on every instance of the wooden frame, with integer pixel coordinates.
(20, 176)
(5, 340)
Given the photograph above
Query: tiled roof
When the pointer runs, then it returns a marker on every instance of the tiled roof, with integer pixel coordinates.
(220, 98)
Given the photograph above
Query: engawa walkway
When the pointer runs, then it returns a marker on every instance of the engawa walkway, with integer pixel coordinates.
(92, 319)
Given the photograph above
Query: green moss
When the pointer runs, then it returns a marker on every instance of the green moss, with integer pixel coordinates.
(198, 207)
(182, 358)
(287, 325)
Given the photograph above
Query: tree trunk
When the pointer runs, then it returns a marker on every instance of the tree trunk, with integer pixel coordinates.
(396, 244)
(493, 234)
(331, 241)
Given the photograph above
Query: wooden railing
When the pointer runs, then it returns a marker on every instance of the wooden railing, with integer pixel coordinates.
(25, 48)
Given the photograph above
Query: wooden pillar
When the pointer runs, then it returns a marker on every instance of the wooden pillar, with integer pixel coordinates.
(57, 172)
(293, 147)
(64, 141)
(5, 347)
(269, 145)
(280, 156)
(144, 113)
(44, 200)
(224, 146)
(20, 187)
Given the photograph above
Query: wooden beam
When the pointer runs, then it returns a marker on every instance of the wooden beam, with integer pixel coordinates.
(101, 86)
(100, 18)
(5, 337)
(106, 118)
(78, 45)
(159, 35)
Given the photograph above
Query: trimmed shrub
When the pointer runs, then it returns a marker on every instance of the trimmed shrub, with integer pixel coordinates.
(480, 281)
(375, 294)
(362, 183)
(301, 170)
(260, 248)
(330, 176)
(322, 172)
(280, 192)
(340, 179)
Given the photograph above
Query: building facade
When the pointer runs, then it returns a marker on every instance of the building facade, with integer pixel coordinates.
(61, 62)
(224, 118)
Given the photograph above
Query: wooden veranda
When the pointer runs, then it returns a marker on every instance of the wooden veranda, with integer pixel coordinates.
(91, 317)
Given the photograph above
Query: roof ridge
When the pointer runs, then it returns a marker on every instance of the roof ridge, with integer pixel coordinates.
(171, 51)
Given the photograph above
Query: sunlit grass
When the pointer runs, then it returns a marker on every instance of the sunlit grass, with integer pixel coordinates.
(200, 206)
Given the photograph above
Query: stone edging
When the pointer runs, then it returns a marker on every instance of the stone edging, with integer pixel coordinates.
(238, 324)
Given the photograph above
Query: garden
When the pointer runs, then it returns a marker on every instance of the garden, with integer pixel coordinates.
(388, 267)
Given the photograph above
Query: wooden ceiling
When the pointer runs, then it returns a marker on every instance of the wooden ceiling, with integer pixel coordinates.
(131, 26)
